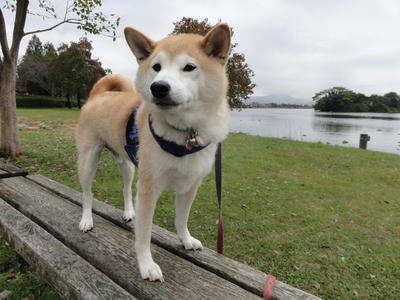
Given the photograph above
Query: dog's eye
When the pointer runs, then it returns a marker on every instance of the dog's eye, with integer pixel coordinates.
(189, 68)
(157, 67)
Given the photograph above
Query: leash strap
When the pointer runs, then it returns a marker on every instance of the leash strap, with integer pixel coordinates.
(218, 183)
(269, 287)
(271, 280)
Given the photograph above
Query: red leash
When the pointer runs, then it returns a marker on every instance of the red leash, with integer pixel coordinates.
(270, 283)
(269, 287)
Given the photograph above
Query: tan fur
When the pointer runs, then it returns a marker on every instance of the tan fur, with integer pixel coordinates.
(111, 82)
(111, 110)
(104, 117)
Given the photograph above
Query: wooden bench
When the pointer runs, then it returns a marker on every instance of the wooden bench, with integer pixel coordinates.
(39, 218)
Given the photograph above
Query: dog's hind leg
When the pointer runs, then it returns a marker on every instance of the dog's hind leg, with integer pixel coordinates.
(183, 203)
(127, 170)
(87, 164)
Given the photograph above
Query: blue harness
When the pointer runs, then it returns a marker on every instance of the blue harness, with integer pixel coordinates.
(132, 141)
(132, 138)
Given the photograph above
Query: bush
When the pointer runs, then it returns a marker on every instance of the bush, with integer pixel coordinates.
(43, 102)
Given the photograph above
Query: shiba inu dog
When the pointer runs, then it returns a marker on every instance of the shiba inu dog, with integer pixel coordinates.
(180, 113)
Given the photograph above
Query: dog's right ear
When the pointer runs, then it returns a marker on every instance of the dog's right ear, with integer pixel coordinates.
(140, 44)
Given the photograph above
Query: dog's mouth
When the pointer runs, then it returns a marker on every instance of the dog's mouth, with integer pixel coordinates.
(165, 103)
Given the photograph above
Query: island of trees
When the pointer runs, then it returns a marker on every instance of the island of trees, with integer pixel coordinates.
(340, 99)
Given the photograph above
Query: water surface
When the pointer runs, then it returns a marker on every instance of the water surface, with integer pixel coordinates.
(335, 128)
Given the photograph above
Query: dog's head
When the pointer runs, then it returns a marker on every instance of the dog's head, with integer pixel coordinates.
(181, 71)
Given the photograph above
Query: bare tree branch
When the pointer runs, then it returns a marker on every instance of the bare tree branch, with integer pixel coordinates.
(3, 36)
(64, 20)
(67, 8)
(69, 21)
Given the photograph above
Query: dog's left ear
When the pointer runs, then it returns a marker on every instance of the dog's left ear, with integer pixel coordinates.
(217, 43)
(140, 44)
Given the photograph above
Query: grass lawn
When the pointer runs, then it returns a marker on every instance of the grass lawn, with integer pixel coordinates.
(325, 219)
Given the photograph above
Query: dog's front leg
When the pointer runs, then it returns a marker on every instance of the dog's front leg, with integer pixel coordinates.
(183, 204)
(145, 203)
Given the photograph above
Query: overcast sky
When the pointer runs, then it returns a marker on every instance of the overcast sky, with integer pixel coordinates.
(294, 47)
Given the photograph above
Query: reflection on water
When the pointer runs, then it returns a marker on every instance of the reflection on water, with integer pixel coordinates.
(334, 128)
(331, 126)
(377, 116)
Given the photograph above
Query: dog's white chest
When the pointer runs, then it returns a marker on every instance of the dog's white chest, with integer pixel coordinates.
(181, 173)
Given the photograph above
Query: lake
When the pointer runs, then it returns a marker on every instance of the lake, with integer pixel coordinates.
(308, 125)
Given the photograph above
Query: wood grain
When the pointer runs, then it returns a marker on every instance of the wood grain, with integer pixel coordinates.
(110, 248)
(240, 274)
(71, 275)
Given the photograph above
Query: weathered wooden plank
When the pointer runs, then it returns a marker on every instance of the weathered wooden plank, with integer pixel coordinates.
(243, 275)
(70, 274)
(11, 171)
(110, 248)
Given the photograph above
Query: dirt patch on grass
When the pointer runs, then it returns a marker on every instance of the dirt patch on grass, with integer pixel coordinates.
(34, 125)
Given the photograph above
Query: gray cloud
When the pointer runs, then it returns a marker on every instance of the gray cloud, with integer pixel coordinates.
(294, 47)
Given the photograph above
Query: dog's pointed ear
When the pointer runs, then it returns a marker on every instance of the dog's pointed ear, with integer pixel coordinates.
(140, 44)
(217, 42)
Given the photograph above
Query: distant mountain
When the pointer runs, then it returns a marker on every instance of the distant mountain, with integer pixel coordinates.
(279, 99)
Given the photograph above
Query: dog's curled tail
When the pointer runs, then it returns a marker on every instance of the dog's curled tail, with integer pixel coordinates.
(111, 82)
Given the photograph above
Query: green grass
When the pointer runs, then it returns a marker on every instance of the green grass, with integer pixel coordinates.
(325, 219)
(22, 283)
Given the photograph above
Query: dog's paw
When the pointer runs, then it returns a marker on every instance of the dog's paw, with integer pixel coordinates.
(192, 244)
(128, 215)
(86, 224)
(151, 271)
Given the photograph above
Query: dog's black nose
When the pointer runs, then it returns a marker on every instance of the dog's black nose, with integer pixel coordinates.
(160, 89)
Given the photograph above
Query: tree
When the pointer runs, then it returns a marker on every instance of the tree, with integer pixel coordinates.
(35, 47)
(32, 71)
(93, 68)
(329, 92)
(64, 69)
(74, 71)
(239, 73)
(394, 100)
(83, 13)
(334, 99)
(378, 103)
(360, 103)
(32, 74)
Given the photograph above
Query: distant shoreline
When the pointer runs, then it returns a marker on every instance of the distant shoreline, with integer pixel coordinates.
(276, 105)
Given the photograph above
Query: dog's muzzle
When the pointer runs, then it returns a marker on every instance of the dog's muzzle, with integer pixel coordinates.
(160, 91)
